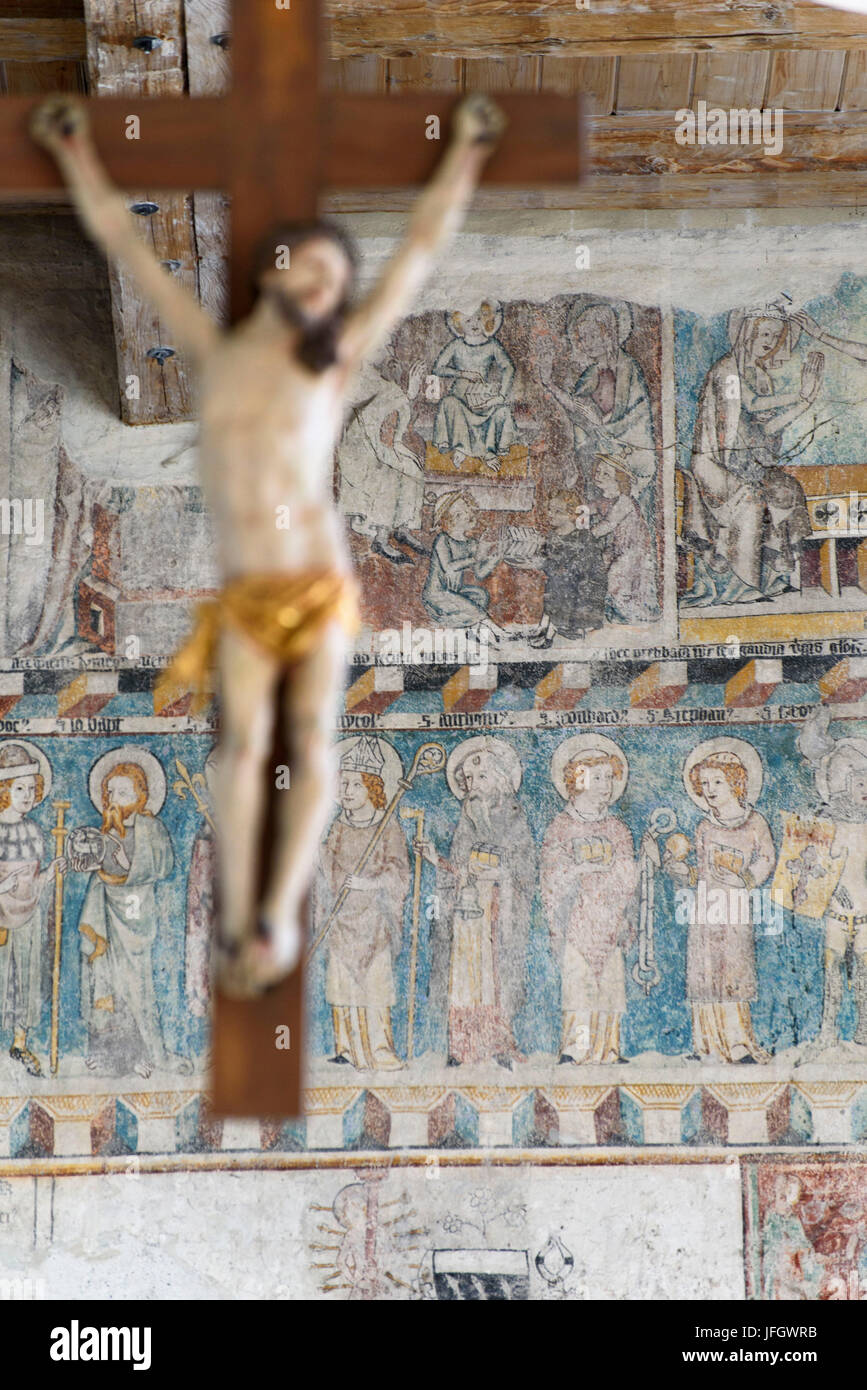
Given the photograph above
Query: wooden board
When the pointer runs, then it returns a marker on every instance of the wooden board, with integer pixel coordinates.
(661, 84)
(250, 1075)
(731, 79)
(150, 390)
(38, 40)
(208, 25)
(801, 81)
(594, 78)
(495, 28)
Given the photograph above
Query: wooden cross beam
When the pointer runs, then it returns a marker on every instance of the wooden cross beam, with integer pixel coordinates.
(272, 144)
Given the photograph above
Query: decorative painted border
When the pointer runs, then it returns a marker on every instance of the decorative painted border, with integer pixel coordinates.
(703, 1115)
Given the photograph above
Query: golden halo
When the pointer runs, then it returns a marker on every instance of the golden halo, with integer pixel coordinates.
(130, 753)
(743, 751)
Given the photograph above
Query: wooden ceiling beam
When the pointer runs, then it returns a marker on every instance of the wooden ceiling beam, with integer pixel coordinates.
(499, 28)
(631, 148)
(154, 383)
(42, 40)
(644, 192)
(422, 29)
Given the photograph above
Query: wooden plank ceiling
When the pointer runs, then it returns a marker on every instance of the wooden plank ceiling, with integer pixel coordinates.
(635, 65)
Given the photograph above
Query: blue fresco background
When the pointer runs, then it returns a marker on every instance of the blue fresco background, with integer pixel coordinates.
(842, 403)
(71, 759)
(789, 965)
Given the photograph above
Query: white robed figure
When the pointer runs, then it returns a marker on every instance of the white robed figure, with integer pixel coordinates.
(25, 781)
(366, 931)
(381, 486)
(744, 517)
(121, 914)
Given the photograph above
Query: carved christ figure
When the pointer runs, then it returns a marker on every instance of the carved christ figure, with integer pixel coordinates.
(272, 392)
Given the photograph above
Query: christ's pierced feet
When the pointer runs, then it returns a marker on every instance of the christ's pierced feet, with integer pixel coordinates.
(251, 967)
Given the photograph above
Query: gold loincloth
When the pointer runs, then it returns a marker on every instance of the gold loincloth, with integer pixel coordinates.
(283, 614)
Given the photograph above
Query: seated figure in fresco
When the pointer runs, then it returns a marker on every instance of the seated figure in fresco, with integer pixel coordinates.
(25, 780)
(734, 855)
(627, 547)
(365, 936)
(744, 518)
(575, 586)
(488, 879)
(381, 482)
(589, 878)
(474, 418)
(609, 404)
(447, 596)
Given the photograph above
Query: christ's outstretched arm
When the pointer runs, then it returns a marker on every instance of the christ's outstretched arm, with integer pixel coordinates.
(437, 215)
(60, 124)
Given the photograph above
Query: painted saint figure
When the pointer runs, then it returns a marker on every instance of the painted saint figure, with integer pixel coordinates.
(381, 480)
(447, 595)
(734, 855)
(201, 900)
(791, 1269)
(589, 877)
(122, 915)
(575, 588)
(272, 392)
(609, 404)
(744, 518)
(840, 770)
(25, 781)
(480, 939)
(365, 935)
(474, 418)
(627, 547)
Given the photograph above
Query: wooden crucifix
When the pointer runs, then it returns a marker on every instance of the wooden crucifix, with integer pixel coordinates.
(272, 144)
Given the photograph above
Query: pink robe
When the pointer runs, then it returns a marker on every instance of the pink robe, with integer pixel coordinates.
(591, 912)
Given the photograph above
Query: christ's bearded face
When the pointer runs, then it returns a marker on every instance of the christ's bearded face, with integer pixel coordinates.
(316, 280)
